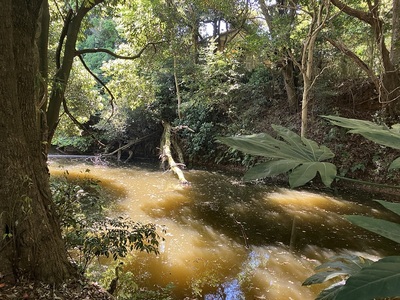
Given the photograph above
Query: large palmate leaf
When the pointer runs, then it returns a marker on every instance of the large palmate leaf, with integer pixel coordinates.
(367, 280)
(380, 134)
(379, 280)
(302, 157)
(395, 164)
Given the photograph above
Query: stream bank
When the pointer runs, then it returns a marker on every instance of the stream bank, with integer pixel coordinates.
(226, 237)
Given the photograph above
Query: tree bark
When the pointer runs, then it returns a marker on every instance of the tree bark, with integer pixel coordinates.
(286, 11)
(389, 91)
(72, 28)
(395, 46)
(290, 87)
(167, 156)
(307, 59)
(30, 236)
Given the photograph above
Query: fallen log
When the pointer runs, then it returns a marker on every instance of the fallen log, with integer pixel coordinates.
(166, 155)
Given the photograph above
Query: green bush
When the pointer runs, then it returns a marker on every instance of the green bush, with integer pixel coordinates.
(87, 232)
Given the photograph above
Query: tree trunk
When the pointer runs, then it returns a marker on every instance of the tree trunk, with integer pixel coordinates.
(307, 72)
(71, 30)
(30, 236)
(307, 59)
(389, 92)
(288, 77)
(286, 13)
(395, 46)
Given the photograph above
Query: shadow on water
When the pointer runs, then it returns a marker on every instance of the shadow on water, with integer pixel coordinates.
(226, 240)
(256, 215)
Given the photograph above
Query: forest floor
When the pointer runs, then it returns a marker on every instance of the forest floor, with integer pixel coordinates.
(72, 290)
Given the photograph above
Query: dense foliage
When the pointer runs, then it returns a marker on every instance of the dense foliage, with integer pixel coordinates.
(216, 68)
(88, 231)
(221, 68)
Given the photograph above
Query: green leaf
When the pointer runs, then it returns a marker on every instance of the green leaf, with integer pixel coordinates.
(302, 174)
(255, 144)
(348, 263)
(394, 207)
(380, 134)
(307, 171)
(395, 164)
(379, 280)
(330, 293)
(321, 277)
(338, 266)
(327, 171)
(384, 228)
(271, 168)
(303, 156)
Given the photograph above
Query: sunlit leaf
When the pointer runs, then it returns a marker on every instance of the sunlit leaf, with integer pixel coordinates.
(255, 144)
(348, 263)
(302, 157)
(379, 280)
(321, 277)
(338, 266)
(271, 168)
(330, 293)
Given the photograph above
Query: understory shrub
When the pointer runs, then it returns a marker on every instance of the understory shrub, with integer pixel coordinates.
(87, 232)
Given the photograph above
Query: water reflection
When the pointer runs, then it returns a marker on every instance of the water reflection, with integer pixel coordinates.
(226, 240)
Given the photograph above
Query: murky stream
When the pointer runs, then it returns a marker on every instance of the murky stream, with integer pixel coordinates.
(226, 240)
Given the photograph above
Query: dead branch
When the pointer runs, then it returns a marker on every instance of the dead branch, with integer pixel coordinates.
(130, 143)
(167, 156)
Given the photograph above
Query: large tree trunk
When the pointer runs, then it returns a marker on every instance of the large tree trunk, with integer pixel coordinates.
(66, 47)
(395, 46)
(30, 237)
(389, 92)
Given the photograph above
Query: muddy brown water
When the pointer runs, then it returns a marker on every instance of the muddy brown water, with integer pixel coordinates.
(227, 240)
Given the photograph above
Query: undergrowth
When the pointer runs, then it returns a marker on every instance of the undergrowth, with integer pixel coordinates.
(90, 233)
